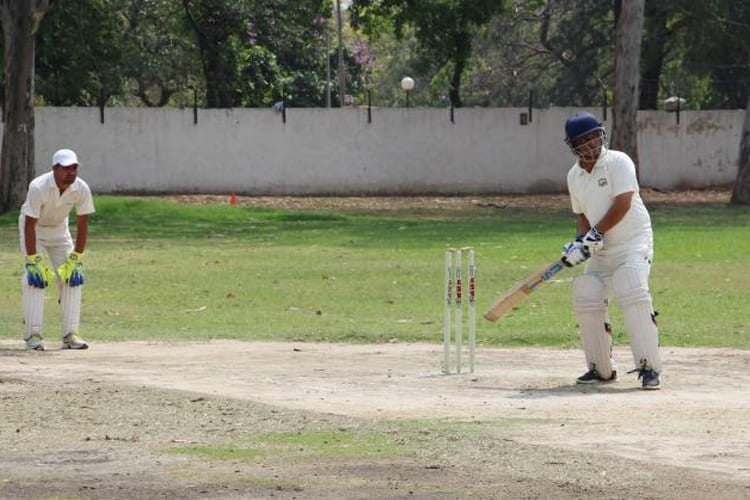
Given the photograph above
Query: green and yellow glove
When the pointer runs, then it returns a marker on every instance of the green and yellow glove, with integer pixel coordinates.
(38, 273)
(71, 272)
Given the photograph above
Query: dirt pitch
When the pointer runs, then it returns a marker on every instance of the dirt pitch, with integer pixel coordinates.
(105, 423)
(100, 423)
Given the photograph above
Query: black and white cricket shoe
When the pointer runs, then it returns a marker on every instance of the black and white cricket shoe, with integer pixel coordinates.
(592, 377)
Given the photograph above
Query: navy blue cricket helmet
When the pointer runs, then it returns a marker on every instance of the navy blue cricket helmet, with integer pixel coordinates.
(580, 124)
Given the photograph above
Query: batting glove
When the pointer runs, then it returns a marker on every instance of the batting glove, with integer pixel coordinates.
(71, 272)
(38, 273)
(593, 240)
(575, 252)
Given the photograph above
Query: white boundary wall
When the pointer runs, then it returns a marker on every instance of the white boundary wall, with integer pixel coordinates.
(336, 151)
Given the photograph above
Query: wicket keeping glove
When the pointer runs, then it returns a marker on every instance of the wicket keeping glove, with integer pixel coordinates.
(575, 252)
(71, 272)
(593, 240)
(38, 273)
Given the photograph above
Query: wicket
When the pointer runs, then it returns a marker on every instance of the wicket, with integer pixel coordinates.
(454, 277)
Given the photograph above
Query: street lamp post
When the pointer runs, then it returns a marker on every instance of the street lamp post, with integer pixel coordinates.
(407, 83)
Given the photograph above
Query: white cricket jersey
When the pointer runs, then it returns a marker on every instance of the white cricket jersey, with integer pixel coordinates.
(592, 194)
(45, 203)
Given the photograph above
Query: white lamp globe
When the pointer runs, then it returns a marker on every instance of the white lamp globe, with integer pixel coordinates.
(407, 83)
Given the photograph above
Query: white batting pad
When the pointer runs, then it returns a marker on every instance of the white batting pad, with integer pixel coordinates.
(630, 288)
(590, 306)
(70, 306)
(33, 309)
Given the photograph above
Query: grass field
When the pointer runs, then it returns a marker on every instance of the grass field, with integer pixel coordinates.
(158, 269)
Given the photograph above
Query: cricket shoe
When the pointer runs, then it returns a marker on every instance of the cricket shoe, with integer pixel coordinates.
(35, 343)
(649, 378)
(73, 341)
(592, 377)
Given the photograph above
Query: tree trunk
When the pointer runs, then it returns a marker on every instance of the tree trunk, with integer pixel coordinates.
(219, 93)
(652, 53)
(212, 23)
(461, 55)
(20, 21)
(628, 33)
(741, 191)
(455, 91)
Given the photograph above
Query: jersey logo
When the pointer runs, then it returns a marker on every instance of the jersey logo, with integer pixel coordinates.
(602, 182)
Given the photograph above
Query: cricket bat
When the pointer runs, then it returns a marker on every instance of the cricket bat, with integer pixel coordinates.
(520, 291)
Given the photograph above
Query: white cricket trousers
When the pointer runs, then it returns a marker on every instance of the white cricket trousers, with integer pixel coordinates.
(57, 244)
(625, 275)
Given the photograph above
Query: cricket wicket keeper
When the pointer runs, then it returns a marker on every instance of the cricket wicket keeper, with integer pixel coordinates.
(51, 254)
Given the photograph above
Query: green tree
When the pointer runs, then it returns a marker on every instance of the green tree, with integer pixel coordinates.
(691, 48)
(580, 37)
(133, 52)
(80, 53)
(219, 27)
(160, 63)
(509, 62)
(286, 51)
(562, 50)
(20, 21)
(257, 51)
(741, 190)
(445, 29)
(557, 53)
(653, 52)
(717, 46)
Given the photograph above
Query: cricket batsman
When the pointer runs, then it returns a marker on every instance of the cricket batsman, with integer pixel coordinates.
(51, 255)
(616, 242)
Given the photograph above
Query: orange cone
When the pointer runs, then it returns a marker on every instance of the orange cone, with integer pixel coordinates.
(233, 199)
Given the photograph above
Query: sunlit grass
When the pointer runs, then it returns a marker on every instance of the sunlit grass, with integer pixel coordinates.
(157, 269)
(308, 445)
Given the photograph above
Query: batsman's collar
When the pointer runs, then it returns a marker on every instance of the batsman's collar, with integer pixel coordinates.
(64, 158)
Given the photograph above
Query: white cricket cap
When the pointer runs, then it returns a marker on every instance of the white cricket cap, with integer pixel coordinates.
(64, 158)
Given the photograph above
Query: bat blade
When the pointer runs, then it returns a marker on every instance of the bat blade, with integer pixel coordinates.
(521, 290)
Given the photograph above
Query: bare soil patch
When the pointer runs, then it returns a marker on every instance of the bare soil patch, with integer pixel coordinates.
(100, 423)
(377, 204)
